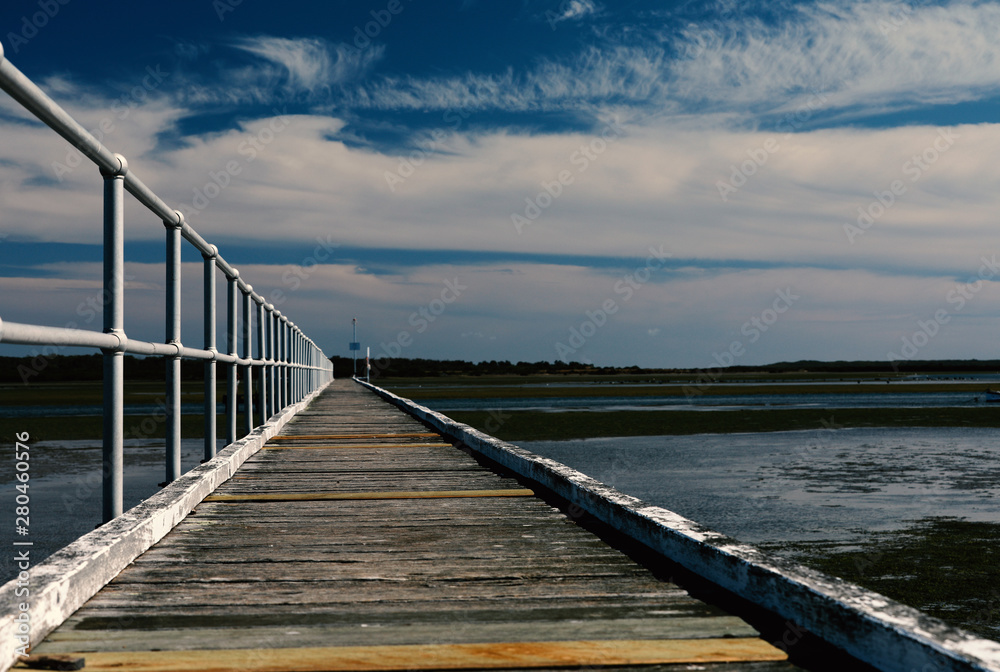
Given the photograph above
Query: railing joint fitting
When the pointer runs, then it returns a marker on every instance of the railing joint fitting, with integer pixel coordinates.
(212, 254)
(179, 224)
(122, 340)
(121, 171)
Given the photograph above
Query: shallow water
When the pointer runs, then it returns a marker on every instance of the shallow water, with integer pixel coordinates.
(65, 490)
(821, 485)
(715, 402)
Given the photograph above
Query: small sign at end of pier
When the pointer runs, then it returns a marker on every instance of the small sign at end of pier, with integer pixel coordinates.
(355, 345)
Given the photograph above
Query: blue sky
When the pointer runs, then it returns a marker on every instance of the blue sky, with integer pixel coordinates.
(671, 184)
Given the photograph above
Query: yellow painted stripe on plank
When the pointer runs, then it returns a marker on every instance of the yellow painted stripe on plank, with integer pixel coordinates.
(388, 494)
(362, 445)
(318, 437)
(504, 655)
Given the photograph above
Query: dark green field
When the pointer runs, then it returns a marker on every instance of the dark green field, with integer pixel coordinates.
(538, 425)
(541, 426)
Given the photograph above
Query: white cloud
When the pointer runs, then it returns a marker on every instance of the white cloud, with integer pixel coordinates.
(860, 53)
(865, 57)
(308, 70)
(573, 10)
(311, 63)
(626, 75)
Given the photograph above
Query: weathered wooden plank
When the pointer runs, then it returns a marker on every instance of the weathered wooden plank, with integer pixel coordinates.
(326, 437)
(363, 633)
(351, 592)
(385, 494)
(513, 655)
(368, 446)
(52, 662)
(397, 613)
(269, 572)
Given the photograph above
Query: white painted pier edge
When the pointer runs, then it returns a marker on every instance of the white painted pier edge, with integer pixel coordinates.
(871, 627)
(66, 579)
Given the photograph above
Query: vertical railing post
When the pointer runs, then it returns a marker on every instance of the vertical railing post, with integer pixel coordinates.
(283, 339)
(210, 387)
(286, 330)
(278, 369)
(279, 325)
(271, 387)
(247, 354)
(297, 371)
(113, 388)
(172, 457)
(231, 383)
(114, 323)
(306, 372)
(262, 355)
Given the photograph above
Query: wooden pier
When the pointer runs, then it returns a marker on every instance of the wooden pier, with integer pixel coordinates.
(360, 539)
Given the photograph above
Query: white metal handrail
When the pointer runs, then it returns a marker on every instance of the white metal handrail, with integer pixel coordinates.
(289, 364)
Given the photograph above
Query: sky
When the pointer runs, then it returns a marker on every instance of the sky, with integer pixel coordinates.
(667, 184)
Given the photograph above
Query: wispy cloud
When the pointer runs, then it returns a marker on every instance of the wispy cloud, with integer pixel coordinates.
(596, 77)
(306, 69)
(573, 10)
(308, 63)
(865, 53)
(867, 56)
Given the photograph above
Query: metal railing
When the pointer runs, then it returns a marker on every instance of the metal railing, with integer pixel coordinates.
(288, 365)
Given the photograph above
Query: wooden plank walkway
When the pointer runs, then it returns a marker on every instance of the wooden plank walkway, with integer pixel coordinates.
(360, 540)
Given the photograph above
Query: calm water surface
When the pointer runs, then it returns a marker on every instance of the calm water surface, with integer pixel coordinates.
(801, 486)
(65, 490)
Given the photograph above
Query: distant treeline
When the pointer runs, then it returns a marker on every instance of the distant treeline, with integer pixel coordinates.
(878, 367)
(62, 368)
(79, 368)
(410, 368)
(418, 368)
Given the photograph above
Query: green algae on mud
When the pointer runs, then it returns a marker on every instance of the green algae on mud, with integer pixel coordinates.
(946, 567)
(624, 389)
(543, 426)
